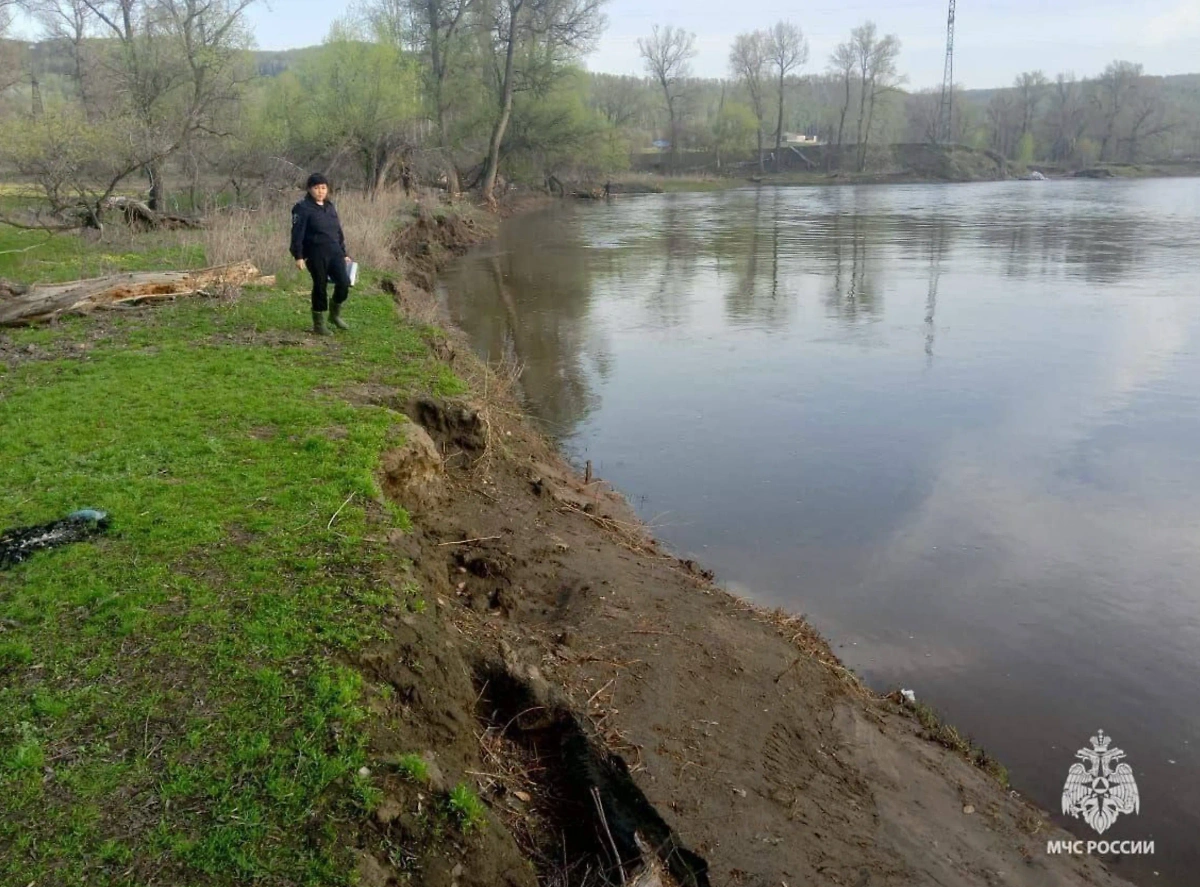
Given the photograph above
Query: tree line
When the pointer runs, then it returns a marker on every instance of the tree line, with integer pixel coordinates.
(858, 100)
(401, 91)
(168, 95)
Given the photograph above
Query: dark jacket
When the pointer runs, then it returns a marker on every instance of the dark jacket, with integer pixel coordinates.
(316, 228)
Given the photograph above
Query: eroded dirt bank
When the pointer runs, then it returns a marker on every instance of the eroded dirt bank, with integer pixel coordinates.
(623, 717)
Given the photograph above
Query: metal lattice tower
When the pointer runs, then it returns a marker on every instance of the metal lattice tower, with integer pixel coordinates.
(945, 112)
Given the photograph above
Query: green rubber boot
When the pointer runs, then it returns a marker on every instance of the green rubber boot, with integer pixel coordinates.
(335, 316)
(319, 324)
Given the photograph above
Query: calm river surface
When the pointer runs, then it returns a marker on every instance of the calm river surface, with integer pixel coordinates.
(958, 426)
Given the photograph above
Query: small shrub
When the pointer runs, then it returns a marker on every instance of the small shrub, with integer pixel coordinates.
(261, 234)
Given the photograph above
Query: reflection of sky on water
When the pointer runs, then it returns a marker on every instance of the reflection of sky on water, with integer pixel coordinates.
(958, 426)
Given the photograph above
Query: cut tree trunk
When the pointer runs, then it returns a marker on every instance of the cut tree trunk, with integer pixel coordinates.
(23, 306)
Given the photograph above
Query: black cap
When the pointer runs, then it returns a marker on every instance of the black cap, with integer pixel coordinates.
(314, 180)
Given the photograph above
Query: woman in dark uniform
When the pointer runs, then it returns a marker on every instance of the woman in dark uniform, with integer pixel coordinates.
(319, 245)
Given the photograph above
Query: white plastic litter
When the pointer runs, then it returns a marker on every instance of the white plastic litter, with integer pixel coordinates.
(909, 696)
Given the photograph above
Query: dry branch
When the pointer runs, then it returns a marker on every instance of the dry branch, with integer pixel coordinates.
(139, 216)
(21, 306)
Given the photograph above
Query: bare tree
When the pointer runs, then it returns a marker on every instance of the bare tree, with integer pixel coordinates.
(1031, 91)
(748, 64)
(668, 53)
(434, 28)
(213, 37)
(619, 98)
(146, 73)
(1111, 95)
(875, 59)
(786, 50)
(70, 22)
(176, 63)
(1067, 117)
(1004, 122)
(11, 61)
(923, 113)
(842, 64)
(1146, 116)
(551, 32)
(883, 79)
(862, 42)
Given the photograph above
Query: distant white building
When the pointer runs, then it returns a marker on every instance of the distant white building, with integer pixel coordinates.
(799, 139)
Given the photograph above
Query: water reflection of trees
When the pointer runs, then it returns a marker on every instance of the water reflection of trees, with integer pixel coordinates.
(672, 243)
(1100, 242)
(749, 250)
(531, 307)
(835, 233)
(773, 241)
(651, 263)
(848, 245)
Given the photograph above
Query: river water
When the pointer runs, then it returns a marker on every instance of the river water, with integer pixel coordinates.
(957, 426)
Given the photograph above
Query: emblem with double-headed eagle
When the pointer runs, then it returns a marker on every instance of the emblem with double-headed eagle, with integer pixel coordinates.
(1098, 791)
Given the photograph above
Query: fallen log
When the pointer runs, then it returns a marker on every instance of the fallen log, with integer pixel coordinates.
(24, 306)
(139, 216)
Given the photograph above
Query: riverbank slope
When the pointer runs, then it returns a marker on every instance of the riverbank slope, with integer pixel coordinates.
(357, 619)
(890, 165)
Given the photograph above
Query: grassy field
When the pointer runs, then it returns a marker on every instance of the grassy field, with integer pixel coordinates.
(38, 257)
(172, 707)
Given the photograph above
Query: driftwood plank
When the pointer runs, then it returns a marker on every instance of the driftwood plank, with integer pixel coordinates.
(20, 306)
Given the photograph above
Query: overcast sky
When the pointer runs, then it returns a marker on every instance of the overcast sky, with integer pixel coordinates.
(996, 39)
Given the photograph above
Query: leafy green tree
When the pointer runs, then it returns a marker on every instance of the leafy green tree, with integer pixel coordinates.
(558, 133)
(357, 97)
(734, 130)
(532, 42)
(1025, 150)
(439, 31)
(77, 165)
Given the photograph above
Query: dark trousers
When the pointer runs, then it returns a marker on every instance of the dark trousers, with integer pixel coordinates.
(324, 267)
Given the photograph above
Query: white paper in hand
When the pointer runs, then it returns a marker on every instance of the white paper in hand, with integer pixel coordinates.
(352, 270)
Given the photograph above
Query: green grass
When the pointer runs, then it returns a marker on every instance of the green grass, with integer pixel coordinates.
(39, 257)
(467, 808)
(414, 767)
(173, 707)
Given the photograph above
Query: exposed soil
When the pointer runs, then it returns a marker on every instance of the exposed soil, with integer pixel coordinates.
(624, 718)
(433, 238)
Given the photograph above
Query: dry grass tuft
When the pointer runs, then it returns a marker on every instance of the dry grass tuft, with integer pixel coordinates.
(497, 402)
(261, 235)
(371, 225)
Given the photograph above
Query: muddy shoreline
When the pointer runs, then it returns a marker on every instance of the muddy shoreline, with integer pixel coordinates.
(623, 716)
